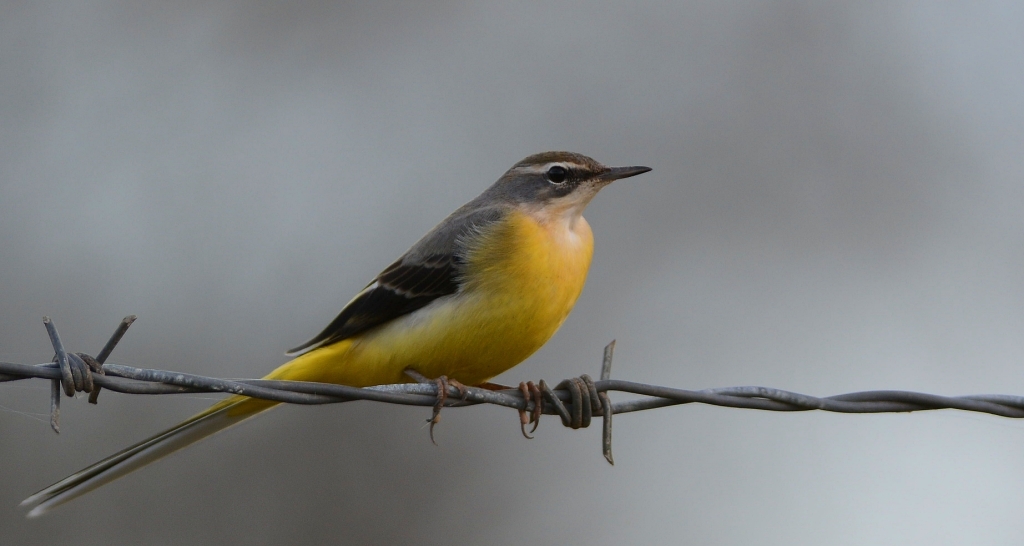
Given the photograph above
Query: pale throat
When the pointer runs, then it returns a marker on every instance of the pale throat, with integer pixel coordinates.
(563, 214)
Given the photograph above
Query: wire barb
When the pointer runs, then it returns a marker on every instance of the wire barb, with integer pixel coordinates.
(76, 369)
(107, 349)
(574, 400)
(606, 404)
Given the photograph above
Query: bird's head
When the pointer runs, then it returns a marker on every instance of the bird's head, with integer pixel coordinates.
(558, 183)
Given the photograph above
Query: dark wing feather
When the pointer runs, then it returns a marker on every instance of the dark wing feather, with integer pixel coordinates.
(431, 269)
(400, 289)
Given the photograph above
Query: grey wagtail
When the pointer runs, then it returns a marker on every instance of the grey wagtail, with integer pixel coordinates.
(475, 296)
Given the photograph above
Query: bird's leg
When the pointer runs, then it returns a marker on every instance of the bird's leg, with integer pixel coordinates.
(442, 384)
(494, 386)
(530, 392)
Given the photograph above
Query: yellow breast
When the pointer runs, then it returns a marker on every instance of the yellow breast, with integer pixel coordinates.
(523, 276)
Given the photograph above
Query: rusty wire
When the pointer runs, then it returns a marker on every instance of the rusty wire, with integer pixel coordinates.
(575, 400)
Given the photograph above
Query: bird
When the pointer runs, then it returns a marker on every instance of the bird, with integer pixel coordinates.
(478, 294)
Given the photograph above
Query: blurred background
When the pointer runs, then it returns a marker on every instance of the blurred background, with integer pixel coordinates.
(835, 206)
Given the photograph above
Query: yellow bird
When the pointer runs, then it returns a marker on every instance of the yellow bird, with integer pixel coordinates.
(478, 294)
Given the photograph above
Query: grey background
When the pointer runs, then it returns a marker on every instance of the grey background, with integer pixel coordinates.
(835, 205)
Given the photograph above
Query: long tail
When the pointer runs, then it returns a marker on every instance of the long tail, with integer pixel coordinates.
(218, 417)
(317, 365)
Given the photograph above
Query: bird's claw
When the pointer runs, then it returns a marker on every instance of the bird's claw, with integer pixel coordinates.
(442, 384)
(531, 392)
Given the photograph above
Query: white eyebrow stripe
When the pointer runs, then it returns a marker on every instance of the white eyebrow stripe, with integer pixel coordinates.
(543, 168)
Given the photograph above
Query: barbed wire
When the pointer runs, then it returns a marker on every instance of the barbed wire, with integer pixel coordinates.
(574, 400)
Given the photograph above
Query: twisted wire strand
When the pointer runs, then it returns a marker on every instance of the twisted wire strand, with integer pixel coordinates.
(576, 401)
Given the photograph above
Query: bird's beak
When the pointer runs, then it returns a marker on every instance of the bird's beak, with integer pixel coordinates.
(615, 173)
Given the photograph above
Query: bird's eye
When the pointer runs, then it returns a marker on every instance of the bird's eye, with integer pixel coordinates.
(557, 174)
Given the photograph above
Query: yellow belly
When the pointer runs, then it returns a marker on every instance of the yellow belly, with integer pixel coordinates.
(522, 280)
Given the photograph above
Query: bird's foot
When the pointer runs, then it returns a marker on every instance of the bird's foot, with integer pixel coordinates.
(442, 395)
(442, 383)
(531, 393)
